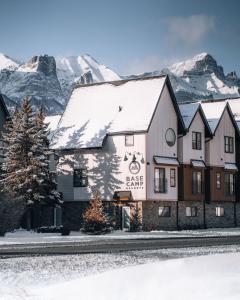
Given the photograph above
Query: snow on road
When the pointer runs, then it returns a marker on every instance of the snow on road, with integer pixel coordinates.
(157, 274)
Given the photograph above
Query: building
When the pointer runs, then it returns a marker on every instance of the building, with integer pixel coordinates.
(120, 138)
(191, 155)
(132, 142)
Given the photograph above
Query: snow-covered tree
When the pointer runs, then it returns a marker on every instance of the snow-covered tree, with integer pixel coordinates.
(26, 175)
(95, 220)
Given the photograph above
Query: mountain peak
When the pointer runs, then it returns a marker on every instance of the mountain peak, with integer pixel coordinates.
(200, 64)
(40, 63)
(7, 62)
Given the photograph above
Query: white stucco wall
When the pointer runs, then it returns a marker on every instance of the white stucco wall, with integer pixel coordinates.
(185, 151)
(216, 155)
(165, 117)
(107, 170)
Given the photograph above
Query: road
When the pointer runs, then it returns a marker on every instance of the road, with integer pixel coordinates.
(114, 245)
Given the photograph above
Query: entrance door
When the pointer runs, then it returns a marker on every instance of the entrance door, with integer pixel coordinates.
(126, 218)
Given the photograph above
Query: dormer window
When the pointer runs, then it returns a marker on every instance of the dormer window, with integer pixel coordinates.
(129, 140)
(196, 140)
(228, 144)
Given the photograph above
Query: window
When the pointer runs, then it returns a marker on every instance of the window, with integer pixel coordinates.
(164, 211)
(196, 182)
(196, 140)
(160, 182)
(228, 144)
(219, 211)
(191, 211)
(229, 184)
(80, 178)
(170, 137)
(129, 140)
(218, 181)
(172, 177)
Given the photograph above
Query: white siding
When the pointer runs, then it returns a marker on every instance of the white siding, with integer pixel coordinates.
(165, 117)
(185, 151)
(107, 170)
(216, 153)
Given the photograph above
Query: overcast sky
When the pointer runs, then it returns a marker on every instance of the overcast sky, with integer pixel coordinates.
(129, 36)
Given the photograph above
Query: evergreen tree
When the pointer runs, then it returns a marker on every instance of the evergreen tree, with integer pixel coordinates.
(95, 221)
(44, 186)
(136, 220)
(26, 175)
(17, 171)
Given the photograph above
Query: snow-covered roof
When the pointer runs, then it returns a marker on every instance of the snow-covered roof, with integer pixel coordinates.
(198, 163)
(161, 160)
(53, 122)
(96, 110)
(230, 166)
(188, 111)
(235, 107)
(213, 112)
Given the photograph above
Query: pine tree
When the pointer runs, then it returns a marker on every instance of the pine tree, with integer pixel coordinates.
(136, 220)
(95, 221)
(26, 175)
(17, 172)
(44, 187)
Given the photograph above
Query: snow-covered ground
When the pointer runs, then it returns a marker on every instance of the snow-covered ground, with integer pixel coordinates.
(26, 237)
(158, 274)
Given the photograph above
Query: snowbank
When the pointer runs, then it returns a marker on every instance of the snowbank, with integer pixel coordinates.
(214, 277)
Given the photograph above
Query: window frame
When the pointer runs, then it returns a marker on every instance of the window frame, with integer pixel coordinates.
(161, 188)
(228, 144)
(218, 180)
(175, 137)
(78, 182)
(126, 142)
(197, 140)
(219, 211)
(195, 189)
(229, 184)
(172, 177)
(166, 211)
(191, 211)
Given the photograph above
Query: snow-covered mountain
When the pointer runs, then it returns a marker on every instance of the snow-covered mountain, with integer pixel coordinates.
(200, 78)
(81, 69)
(48, 81)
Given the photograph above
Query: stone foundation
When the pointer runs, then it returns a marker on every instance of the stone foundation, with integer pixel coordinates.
(185, 222)
(228, 220)
(151, 219)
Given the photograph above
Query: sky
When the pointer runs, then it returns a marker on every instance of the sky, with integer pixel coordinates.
(129, 36)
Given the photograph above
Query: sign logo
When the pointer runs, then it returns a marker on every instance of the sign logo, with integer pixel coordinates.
(134, 167)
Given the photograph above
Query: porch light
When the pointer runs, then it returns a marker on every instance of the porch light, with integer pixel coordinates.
(125, 157)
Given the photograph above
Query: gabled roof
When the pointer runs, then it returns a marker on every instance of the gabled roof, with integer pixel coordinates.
(214, 111)
(189, 112)
(96, 110)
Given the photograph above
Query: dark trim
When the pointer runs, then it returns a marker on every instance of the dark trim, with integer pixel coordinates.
(181, 128)
(208, 132)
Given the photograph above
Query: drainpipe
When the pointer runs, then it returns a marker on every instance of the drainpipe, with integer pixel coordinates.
(177, 215)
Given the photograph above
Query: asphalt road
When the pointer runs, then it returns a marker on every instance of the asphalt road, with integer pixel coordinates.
(115, 245)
